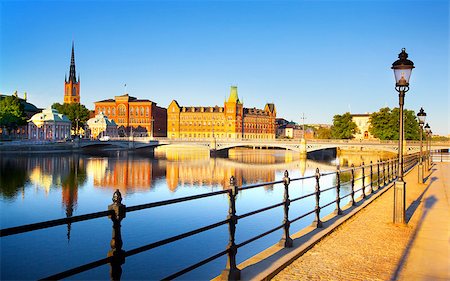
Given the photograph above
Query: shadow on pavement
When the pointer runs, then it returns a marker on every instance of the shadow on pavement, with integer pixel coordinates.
(413, 207)
(428, 204)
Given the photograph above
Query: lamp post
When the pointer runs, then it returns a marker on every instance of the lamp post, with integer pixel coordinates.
(402, 72)
(427, 153)
(76, 127)
(421, 116)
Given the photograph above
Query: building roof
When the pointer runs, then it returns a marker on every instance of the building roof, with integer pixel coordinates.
(128, 98)
(29, 108)
(101, 119)
(49, 114)
(234, 95)
(361, 115)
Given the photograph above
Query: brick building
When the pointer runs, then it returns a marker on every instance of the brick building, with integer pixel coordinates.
(232, 121)
(139, 117)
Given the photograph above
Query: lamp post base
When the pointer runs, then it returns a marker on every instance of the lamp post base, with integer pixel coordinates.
(399, 202)
(420, 173)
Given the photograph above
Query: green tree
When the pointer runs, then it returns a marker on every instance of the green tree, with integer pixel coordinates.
(384, 124)
(323, 133)
(343, 126)
(12, 114)
(73, 111)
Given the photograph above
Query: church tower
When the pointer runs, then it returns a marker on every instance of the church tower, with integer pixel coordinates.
(72, 86)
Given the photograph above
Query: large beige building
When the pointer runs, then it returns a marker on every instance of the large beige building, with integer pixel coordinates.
(232, 121)
(362, 121)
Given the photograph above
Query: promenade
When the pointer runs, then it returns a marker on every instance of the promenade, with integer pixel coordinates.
(370, 247)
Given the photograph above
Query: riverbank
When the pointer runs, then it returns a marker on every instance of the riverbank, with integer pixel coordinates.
(24, 146)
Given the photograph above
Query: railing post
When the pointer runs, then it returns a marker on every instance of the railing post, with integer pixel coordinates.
(353, 185)
(338, 210)
(363, 182)
(389, 172)
(378, 175)
(286, 240)
(317, 222)
(384, 173)
(231, 272)
(396, 168)
(116, 253)
(371, 178)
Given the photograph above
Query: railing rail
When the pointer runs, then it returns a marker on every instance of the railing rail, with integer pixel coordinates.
(378, 175)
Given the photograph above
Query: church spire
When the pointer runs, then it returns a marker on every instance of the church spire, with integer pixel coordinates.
(72, 74)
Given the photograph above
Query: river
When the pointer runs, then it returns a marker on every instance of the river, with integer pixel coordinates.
(39, 187)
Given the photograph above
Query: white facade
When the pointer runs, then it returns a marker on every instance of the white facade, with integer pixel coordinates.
(362, 121)
(49, 125)
(101, 126)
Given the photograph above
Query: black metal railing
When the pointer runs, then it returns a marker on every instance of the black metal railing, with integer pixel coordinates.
(374, 176)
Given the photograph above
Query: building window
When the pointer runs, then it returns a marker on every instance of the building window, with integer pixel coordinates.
(122, 110)
(142, 111)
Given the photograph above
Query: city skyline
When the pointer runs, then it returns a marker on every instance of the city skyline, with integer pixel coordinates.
(275, 52)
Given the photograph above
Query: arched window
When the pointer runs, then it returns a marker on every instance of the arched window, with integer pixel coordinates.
(122, 110)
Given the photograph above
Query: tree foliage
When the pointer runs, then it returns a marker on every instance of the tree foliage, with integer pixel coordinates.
(385, 125)
(73, 111)
(323, 133)
(12, 114)
(343, 126)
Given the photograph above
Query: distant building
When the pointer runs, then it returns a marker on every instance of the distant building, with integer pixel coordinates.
(137, 117)
(72, 86)
(101, 126)
(49, 125)
(293, 130)
(30, 109)
(232, 121)
(362, 121)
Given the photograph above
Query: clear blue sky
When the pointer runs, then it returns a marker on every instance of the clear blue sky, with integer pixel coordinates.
(318, 57)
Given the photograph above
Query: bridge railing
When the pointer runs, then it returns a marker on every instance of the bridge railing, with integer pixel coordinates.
(374, 176)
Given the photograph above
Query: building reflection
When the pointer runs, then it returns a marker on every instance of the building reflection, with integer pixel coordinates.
(65, 172)
(198, 169)
(347, 158)
(127, 174)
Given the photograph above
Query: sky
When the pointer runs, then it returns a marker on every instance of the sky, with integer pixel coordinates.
(317, 58)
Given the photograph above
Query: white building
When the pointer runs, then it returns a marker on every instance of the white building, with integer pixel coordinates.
(49, 125)
(362, 121)
(101, 126)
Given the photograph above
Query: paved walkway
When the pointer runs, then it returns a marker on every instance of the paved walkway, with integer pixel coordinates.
(370, 247)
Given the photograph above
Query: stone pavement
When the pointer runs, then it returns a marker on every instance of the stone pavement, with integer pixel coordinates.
(370, 247)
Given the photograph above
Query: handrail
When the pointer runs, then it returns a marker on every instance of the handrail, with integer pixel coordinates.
(379, 177)
(51, 223)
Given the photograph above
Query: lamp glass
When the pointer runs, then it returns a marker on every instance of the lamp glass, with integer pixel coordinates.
(402, 76)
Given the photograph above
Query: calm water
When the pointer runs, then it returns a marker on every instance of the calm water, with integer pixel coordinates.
(41, 187)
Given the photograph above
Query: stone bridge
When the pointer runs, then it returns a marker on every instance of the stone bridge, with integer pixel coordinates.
(225, 145)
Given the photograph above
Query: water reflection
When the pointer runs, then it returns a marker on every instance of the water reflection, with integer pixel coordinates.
(131, 173)
(41, 187)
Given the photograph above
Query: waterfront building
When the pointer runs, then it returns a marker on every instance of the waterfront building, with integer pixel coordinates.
(72, 86)
(137, 117)
(49, 125)
(101, 126)
(362, 121)
(232, 121)
(292, 130)
(22, 131)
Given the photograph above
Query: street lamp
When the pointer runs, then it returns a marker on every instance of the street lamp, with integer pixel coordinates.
(402, 72)
(421, 116)
(428, 132)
